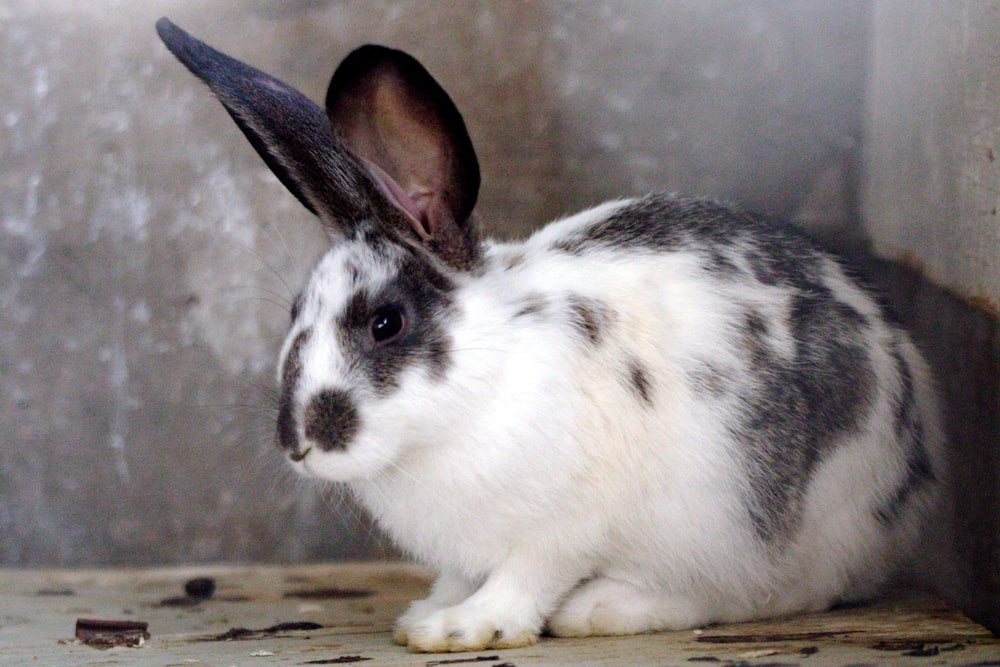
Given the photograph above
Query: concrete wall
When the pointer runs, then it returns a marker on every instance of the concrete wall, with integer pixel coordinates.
(930, 194)
(932, 185)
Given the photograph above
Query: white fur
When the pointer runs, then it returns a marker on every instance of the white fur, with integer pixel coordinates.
(543, 492)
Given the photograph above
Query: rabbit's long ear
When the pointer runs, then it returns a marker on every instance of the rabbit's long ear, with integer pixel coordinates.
(391, 113)
(290, 132)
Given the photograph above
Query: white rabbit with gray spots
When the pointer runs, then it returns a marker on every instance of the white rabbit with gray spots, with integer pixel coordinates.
(656, 414)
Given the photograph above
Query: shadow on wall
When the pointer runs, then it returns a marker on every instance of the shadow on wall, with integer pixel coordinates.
(962, 344)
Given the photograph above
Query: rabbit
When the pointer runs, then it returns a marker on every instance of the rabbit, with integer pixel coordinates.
(656, 414)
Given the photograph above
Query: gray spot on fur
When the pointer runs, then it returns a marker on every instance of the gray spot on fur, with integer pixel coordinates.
(639, 382)
(795, 406)
(514, 260)
(910, 433)
(753, 332)
(919, 473)
(730, 241)
(356, 274)
(656, 223)
(763, 269)
(778, 252)
(590, 317)
(796, 410)
(849, 313)
(709, 380)
(287, 438)
(720, 265)
(532, 305)
(571, 245)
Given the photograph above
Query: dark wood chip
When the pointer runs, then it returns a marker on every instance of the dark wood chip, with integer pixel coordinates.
(200, 588)
(101, 633)
(329, 594)
(241, 634)
(180, 601)
(458, 661)
(772, 637)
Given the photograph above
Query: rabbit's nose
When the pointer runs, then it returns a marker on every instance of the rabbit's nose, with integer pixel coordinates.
(331, 420)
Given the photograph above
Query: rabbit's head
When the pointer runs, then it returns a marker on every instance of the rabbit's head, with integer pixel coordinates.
(389, 169)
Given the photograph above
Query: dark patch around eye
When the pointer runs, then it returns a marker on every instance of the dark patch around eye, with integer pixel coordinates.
(356, 312)
(438, 356)
(423, 295)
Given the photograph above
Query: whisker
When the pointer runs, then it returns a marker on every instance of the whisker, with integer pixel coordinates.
(278, 298)
(266, 264)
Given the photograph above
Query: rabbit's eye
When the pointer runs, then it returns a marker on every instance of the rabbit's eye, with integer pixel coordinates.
(387, 324)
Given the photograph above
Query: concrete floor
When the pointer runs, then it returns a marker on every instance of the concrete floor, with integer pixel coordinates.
(344, 614)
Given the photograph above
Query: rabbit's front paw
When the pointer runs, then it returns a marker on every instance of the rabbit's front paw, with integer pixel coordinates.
(464, 627)
(416, 614)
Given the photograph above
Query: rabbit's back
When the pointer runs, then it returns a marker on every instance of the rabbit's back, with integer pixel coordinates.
(780, 397)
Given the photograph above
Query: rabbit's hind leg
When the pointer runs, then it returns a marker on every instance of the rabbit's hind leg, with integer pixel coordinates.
(606, 606)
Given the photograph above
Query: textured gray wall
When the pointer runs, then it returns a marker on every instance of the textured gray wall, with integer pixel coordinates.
(933, 141)
(147, 257)
(930, 194)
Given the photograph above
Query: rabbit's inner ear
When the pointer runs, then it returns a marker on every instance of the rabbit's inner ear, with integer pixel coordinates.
(404, 201)
(390, 112)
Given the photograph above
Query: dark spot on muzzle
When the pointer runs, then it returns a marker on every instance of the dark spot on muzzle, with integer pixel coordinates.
(287, 438)
(290, 374)
(331, 420)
